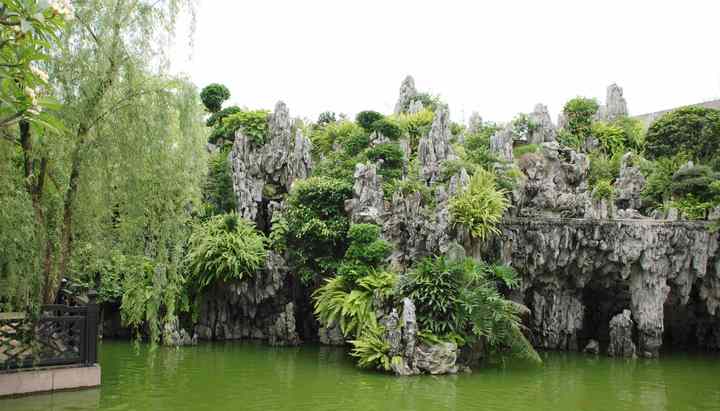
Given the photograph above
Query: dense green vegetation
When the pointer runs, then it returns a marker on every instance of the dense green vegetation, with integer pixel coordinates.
(82, 200)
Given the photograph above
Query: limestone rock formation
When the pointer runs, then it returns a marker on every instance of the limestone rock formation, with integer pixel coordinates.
(557, 318)
(435, 147)
(474, 123)
(331, 335)
(592, 347)
(436, 358)
(501, 143)
(175, 336)
(407, 95)
(629, 185)
(556, 182)
(577, 273)
(621, 343)
(615, 104)
(544, 131)
(282, 159)
(367, 204)
(258, 307)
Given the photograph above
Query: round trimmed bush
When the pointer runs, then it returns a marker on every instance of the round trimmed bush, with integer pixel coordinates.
(213, 96)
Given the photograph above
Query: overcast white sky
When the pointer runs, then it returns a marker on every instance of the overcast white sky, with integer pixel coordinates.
(495, 57)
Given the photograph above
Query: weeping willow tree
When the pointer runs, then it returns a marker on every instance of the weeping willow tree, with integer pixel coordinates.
(119, 173)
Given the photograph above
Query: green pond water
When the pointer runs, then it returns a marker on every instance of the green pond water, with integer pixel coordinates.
(245, 376)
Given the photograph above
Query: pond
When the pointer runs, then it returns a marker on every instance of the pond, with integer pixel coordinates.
(246, 376)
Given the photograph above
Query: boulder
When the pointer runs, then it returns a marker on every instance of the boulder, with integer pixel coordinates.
(621, 343)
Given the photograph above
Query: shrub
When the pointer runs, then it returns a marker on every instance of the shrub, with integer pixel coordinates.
(326, 118)
(392, 156)
(691, 130)
(610, 137)
(603, 189)
(387, 127)
(216, 119)
(579, 113)
(603, 167)
(520, 151)
(460, 301)
(336, 302)
(348, 135)
(429, 101)
(659, 176)
(253, 124)
(224, 248)
(337, 165)
(366, 119)
(317, 225)
(371, 349)
(365, 253)
(408, 186)
(695, 181)
(480, 207)
(213, 97)
(691, 207)
(415, 125)
(218, 187)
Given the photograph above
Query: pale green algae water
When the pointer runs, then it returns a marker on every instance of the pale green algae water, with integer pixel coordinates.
(246, 376)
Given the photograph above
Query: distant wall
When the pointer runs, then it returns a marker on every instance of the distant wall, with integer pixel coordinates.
(648, 118)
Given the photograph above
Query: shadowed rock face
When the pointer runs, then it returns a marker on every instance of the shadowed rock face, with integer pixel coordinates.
(650, 266)
(259, 307)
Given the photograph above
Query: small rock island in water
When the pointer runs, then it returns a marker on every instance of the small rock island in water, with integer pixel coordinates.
(429, 246)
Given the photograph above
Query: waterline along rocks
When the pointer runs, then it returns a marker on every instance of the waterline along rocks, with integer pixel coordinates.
(600, 271)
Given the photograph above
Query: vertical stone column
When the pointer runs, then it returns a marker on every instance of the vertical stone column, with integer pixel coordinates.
(649, 291)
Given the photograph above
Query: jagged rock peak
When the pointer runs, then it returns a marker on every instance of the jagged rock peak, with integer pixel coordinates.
(616, 106)
(436, 148)
(545, 131)
(407, 95)
(284, 157)
(501, 143)
(367, 204)
(474, 123)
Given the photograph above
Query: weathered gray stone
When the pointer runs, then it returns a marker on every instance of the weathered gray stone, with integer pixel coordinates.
(592, 347)
(331, 335)
(474, 123)
(436, 358)
(629, 185)
(501, 143)
(621, 343)
(615, 104)
(656, 262)
(544, 130)
(175, 336)
(282, 159)
(556, 182)
(435, 147)
(257, 307)
(407, 95)
(367, 204)
(557, 318)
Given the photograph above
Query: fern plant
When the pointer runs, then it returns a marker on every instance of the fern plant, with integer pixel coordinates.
(371, 349)
(224, 248)
(481, 206)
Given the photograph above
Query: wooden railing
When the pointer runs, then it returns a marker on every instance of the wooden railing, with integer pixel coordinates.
(59, 335)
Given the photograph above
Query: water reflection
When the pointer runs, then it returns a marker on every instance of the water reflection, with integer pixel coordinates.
(230, 376)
